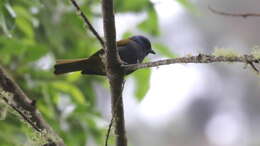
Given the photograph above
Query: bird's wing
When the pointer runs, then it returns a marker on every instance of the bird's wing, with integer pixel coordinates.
(63, 61)
(122, 42)
(94, 64)
(93, 57)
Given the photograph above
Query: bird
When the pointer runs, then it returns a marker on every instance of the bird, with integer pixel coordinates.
(132, 50)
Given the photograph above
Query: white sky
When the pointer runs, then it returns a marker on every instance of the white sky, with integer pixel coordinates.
(170, 91)
(171, 85)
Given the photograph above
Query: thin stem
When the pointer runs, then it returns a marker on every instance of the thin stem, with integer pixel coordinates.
(87, 22)
(244, 15)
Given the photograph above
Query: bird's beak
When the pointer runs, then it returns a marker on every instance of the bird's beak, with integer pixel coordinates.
(152, 51)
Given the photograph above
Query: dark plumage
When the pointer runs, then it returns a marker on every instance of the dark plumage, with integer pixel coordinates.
(131, 51)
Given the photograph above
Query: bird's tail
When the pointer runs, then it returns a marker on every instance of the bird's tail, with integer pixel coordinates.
(70, 65)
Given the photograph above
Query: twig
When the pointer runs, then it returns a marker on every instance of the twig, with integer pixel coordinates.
(24, 116)
(108, 130)
(201, 58)
(112, 120)
(244, 15)
(115, 72)
(25, 107)
(251, 63)
(87, 22)
(253, 67)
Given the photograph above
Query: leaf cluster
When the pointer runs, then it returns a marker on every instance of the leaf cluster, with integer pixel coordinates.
(33, 34)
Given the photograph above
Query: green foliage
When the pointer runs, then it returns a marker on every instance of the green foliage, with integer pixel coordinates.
(18, 127)
(188, 5)
(76, 94)
(7, 17)
(150, 25)
(131, 5)
(142, 82)
(163, 50)
(33, 30)
(30, 30)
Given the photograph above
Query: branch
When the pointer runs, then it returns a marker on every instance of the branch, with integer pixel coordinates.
(13, 95)
(108, 130)
(87, 22)
(115, 72)
(112, 120)
(201, 58)
(244, 15)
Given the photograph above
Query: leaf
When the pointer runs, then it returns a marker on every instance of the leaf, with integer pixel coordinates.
(74, 77)
(46, 110)
(34, 52)
(164, 50)
(3, 25)
(10, 10)
(25, 26)
(188, 5)
(70, 89)
(150, 25)
(142, 83)
(23, 21)
(131, 5)
(22, 12)
(7, 17)
(11, 46)
(127, 34)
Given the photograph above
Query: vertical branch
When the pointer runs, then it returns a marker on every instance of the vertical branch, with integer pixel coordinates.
(114, 71)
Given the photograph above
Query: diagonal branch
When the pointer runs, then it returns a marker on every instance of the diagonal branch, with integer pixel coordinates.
(201, 58)
(13, 95)
(244, 15)
(87, 22)
(115, 72)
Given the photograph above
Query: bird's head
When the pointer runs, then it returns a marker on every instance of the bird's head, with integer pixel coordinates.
(144, 43)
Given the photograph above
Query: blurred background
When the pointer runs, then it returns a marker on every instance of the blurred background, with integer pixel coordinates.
(176, 105)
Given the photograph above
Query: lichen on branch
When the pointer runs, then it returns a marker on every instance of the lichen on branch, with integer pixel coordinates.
(201, 58)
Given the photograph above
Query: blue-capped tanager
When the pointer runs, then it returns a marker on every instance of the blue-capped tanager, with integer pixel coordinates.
(131, 51)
